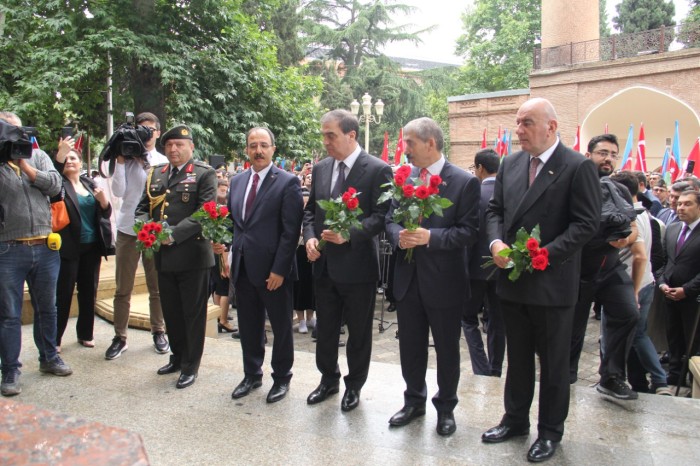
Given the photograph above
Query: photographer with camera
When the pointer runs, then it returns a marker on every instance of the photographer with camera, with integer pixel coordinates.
(27, 180)
(128, 183)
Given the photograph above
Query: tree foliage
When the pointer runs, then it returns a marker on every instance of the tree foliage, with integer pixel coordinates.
(497, 44)
(643, 15)
(202, 62)
(603, 28)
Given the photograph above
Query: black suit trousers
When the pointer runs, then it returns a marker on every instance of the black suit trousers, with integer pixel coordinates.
(252, 303)
(184, 296)
(680, 318)
(545, 331)
(418, 315)
(484, 294)
(354, 304)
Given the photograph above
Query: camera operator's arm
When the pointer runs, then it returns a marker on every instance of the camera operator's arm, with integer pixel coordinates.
(119, 177)
(41, 173)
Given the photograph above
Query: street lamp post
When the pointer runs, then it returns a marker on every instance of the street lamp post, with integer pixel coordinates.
(367, 116)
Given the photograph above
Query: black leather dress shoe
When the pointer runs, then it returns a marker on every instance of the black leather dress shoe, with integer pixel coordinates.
(277, 392)
(351, 398)
(406, 415)
(502, 432)
(541, 450)
(246, 385)
(446, 424)
(322, 392)
(169, 368)
(185, 380)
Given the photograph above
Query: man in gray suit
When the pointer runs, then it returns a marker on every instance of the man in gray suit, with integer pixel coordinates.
(549, 185)
(345, 271)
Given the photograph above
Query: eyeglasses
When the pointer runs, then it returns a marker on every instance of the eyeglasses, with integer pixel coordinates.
(606, 154)
(262, 145)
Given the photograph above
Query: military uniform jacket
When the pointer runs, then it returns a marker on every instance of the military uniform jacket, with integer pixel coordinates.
(174, 201)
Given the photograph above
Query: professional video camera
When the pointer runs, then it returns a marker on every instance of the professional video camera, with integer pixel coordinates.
(128, 141)
(14, 142)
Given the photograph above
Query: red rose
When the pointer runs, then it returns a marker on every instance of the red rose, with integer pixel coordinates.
(422, 192)
(212, 214)
(152, 238)
(211, 205)
(142, 235)
(352, 191)
(147, 227)
(532, 244)
(353, 203)
(435, 181)
(539, 262)
(408, 190)
(399, 179)
(346, 197)
(404, 170)
(148, 243)
(433, 190)
(157, 228)
(533, 253)
(223, 211)
(543, 252)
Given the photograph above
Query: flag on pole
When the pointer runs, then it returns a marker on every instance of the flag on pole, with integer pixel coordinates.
(694, 156)
(665, 175)
(577, 141)
(504, 143)
(641, 163)
(626, 162)
(483, 140)
(499, 144)
(385, 149)
(35, 143)
(398, 155)
(674, 163)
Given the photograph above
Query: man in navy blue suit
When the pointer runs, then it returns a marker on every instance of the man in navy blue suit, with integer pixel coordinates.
(429, 289)
(267, 207)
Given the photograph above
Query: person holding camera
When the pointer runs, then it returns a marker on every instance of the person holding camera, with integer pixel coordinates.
(128, 183)
(26, 184)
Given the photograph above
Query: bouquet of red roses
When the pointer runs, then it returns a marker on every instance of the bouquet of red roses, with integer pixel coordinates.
(216, 224)
(150, 236)
(525, 254)
(341, 214)
(416, 201)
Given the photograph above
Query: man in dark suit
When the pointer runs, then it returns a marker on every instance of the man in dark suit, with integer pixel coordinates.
(174, 191)
(345, 272)
(679, 280)
(564, 199)
(266, 206)
(429, 289)
(483, 281)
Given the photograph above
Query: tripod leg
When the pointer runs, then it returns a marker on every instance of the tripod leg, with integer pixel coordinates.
(688, 353)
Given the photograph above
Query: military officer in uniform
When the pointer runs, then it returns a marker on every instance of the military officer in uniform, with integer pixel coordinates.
(174, 191)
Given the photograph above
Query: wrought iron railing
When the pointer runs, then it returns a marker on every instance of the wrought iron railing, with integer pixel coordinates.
(682, 36)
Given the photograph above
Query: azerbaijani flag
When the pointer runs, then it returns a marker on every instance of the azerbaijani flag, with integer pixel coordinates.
(674, 163)
(664, 167)
(626, 162)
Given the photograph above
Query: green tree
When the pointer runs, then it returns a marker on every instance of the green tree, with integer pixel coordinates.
(643, 15)
(603, 28)
(497, 44)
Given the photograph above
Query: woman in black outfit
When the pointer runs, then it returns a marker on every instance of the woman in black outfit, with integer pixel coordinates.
(85, 239)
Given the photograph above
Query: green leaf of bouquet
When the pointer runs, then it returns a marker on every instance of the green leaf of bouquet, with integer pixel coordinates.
(445, 203)
(505, 252)
(521, 236)
(536, 232)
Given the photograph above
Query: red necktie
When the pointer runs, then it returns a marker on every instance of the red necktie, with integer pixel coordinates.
(534, 162)
(424, 174)
(251, 195)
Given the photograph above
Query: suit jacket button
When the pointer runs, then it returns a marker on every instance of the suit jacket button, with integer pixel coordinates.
(167, 204)
(165, 217)
(167, 191)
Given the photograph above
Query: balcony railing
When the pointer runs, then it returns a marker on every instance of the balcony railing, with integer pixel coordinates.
(682, 36)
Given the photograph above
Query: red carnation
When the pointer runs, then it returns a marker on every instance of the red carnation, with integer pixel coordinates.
(539, 262)
(408, 190)
(142, 235)
(422, 192)
(399, 179)
(156, 228)
(404, 170)
(435, 181)
(353, 203)
(532, 244)
(223, 211)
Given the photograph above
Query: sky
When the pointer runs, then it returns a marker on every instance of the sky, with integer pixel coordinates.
(439, 45)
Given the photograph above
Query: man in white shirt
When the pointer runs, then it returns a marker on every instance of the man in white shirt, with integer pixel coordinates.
(128, 183)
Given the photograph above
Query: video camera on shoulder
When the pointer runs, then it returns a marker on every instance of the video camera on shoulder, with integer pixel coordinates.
(128, 141)
(15, 142)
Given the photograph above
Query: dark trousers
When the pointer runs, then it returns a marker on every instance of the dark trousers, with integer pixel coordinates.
(85, 272)
(483, 294)
(418, 315)
(615, 292)
(184, 296)
(352, 303)
(252, 303)
(680, 318)
(545, 331)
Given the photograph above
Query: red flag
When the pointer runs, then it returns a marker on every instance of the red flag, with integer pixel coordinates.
(483, 140)
(605, 130)
(385, 149)
(499, 143)
(78, 146)
(577, 142)
(399, 149)
(694, 156)
(35, 143)
(246, 165)
(641, 163)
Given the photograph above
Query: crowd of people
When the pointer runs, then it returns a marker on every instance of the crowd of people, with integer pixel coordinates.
(622, 241)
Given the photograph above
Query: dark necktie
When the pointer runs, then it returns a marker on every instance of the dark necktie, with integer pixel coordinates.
(251, 195)
(534, 163)
(338, 187)
(682, 238)
(173, 173)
